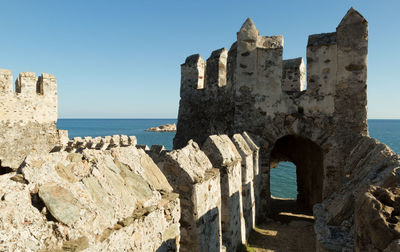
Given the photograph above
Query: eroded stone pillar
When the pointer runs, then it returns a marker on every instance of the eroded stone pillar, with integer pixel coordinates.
(192, 117)
(217, 98)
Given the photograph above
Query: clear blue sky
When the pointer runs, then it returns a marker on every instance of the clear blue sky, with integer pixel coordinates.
(121, 59)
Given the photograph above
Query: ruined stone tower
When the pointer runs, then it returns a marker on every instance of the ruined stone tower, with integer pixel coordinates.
(250, 88)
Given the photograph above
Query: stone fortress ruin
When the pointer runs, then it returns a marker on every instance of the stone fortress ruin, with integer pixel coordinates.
(241, 112)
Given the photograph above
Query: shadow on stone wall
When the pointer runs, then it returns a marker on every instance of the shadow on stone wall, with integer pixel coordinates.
(168, 246)
(248, 200)
(192, 175)
(207, 227)
(231, 221)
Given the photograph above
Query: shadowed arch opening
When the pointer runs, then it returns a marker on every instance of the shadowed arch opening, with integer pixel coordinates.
(308, 158)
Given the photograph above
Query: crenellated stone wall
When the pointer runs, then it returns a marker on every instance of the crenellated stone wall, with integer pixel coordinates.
(206, 98)
(264, 95)
(322, 129)
(216, 183)
(28, 117)
(77, 144)
(34, 99)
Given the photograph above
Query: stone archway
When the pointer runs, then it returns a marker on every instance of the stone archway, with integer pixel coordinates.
(308, 158)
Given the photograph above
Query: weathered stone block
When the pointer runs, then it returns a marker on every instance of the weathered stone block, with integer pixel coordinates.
(190, 173)
(216, 70)
(124, 140)
(293, 75)
(60, 202)
(224, 156)
(17, 140)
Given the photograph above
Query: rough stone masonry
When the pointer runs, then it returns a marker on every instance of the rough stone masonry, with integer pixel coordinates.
(111, 194)
(248, 88)
(106, 193)
(28, 117)
(251, 88)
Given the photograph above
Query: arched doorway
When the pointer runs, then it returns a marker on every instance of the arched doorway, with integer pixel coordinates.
(308, 158)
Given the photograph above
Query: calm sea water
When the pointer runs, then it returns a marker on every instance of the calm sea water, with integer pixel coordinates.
(283, 178)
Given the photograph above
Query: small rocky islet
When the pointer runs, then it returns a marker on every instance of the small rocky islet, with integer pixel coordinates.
(163, 128)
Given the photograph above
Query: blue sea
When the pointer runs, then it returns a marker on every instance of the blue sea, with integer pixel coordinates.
(283, 178)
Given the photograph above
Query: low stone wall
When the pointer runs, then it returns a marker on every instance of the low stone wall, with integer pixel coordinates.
(97, 200)
(99, 143)
(216, 188)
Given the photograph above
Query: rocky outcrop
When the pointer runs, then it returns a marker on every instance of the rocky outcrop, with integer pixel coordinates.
(96, 200)
(370, 165)
(377, 218)
(163, 128)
